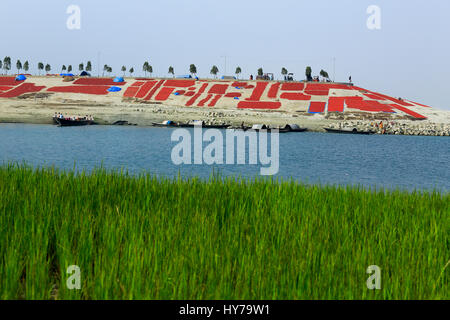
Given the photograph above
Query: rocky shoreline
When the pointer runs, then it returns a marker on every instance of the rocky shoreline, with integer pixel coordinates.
(396, 127)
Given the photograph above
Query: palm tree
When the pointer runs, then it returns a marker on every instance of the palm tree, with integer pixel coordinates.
(150, 70)
(89, 66)
(105, 68)
(7, 64)
(238, 72)
(260, 72)
(124, 69)
(193, 69)
(284, 72)
(69, 68)
(109, 70)
(308, 73)
(1, 65)
(40, 67)
(145, 67)
(63, 68)
(171, 71)
(26, 66)
(324, 74)
(48, 68)
(131, 72)
(18, 66)
(214, 71)
(81, 67)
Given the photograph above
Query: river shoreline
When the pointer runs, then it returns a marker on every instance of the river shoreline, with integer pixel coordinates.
(147, 114)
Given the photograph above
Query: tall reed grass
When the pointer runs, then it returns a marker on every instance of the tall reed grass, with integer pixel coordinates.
(141, 237)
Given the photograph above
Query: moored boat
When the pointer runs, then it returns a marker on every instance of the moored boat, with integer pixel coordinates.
(74, 123)
(167, 123)
(348, 131)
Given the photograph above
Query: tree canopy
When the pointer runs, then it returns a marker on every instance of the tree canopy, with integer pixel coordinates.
(260, 72)
(214, 70)
(193, 69)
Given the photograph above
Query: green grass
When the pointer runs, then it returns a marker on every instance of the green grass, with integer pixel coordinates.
(150, 238)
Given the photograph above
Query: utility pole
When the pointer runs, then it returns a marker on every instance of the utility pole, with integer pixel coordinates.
(334, 69)
(98, 65)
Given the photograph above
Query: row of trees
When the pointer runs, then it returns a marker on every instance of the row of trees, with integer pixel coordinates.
(5, 65)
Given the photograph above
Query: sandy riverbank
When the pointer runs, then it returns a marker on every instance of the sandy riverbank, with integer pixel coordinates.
(40, 112)
(39, 107)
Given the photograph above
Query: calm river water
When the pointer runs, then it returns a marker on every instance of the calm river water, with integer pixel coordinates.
(404, 162)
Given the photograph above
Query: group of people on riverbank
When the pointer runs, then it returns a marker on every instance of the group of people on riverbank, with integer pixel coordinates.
(60, 115)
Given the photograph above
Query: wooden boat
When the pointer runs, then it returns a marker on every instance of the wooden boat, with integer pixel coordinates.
(348, 131)
(74, 123)
(204, 125)
(292, 128)
(167, 123)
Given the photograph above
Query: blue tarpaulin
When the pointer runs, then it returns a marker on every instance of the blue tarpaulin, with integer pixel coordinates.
(21, 77)
(66, 74)
(114, 89)
(119, 79)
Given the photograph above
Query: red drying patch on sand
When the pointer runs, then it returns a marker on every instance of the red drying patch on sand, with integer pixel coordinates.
(293, 86)
(195, 97)
(317, 107)
(99, 90)
(273, 91)
(24, 88)
(202, 102)
(249, 86)
(419, 104)
(138, 83)
(189, 93)
(192, 88)
(295, 96)
(214, 101)
(5, 88)
(98, 82)
(9, 81)
(179, 83)
(368, 105)
(326, 87)
(336, 104)
(164, 94)
(258, 92)
(258, 105)
(153, 91)
(410, 112)
(145, 88)
(239, 84)
(397, 101)
(233, 95)
(374, 96)
(218, 89)
(180, 92)
(131, 92)
(317, 93)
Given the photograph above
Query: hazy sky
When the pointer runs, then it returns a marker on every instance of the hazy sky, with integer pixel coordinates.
(408, 57)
